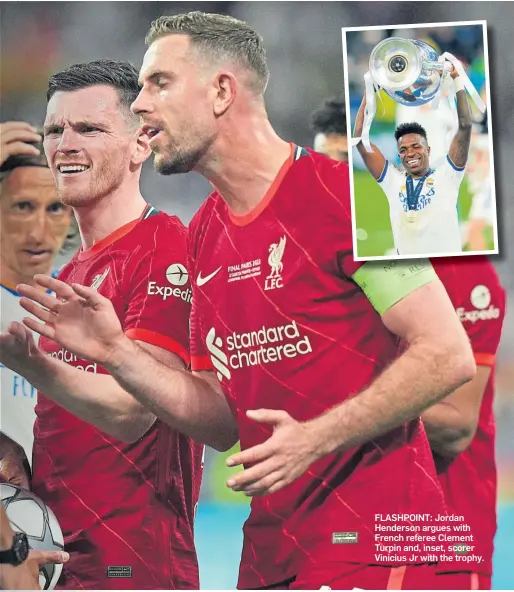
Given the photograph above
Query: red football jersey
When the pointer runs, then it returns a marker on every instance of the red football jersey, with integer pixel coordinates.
(279, 319)
(126, 510)
(469, 482)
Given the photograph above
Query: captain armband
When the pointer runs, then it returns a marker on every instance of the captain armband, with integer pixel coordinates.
(387, 282)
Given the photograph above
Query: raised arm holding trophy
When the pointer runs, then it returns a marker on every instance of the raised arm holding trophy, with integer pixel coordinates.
(422, 200)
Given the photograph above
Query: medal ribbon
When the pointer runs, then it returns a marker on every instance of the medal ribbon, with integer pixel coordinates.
(414, 193)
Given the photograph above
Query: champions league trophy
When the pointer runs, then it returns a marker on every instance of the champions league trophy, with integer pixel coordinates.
(412, 73)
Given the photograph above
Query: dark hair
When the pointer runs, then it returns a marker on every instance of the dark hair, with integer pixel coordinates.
(409, 128)
(330, 118)
(122, 76)
(25, 160)
(216, 36)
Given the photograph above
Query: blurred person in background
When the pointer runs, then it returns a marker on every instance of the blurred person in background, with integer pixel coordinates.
(461, 427)
(252, 250)
(122, 484)
(34, 228)
(481, 216)
(329, 126)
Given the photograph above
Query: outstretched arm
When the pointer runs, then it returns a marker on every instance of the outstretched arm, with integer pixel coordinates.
(86, 324)
(95, 398)
(459, 148)
(374, 161)
(438, 360)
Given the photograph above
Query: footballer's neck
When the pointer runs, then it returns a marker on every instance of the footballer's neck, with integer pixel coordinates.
(245, 161)
(101, 217)
(10, 278)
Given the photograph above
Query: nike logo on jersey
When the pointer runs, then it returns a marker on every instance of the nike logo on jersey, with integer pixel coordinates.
(203, 280)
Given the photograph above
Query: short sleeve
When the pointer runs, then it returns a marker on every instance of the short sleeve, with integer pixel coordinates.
(334, 179)
(159, 291)
(200, 359)
(390, 180)
(452, 172)
(479, 300)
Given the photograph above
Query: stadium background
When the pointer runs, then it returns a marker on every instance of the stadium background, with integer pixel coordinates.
(374, 236)
(303, 42)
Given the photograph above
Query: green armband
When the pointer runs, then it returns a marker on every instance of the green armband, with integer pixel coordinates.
(386, 282)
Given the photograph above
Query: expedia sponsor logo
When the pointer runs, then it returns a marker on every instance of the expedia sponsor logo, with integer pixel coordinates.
(166, 292)
(177, 275)
(473, 316)
(480, 298)
(264, 346)
(66, 356)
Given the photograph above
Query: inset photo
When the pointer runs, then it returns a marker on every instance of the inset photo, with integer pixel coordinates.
(421, 156)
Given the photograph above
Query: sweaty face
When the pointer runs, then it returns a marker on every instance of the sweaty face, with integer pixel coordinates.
(414, 154)
(34, 223)
(335, 146)
(88, 143)
(175, 105)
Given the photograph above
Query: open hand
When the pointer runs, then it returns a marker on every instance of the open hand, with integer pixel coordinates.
(279, 461)
(77, 318)
(18, 351)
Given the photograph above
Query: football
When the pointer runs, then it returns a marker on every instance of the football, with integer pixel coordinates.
(28, 514)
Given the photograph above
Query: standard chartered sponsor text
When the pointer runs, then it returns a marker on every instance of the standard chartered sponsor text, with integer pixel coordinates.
(66, 356)
(266, 345)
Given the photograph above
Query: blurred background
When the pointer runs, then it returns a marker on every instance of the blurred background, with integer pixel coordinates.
(476, 206)
(304, 49)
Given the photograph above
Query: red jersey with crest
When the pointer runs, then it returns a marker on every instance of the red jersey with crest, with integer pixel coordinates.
(126, 510)
(279, 319)
(469, 481)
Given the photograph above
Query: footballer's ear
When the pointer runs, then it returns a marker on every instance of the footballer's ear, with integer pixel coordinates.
(225, 90)
(142, 148)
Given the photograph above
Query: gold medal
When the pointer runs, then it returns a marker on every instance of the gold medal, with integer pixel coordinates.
(410, 219)
(412, 216)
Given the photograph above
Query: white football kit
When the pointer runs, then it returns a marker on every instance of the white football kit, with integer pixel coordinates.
(18, 396)
(433, 227)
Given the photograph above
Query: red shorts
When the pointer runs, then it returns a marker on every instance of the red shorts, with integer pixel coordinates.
(346, 576)
(462, 581)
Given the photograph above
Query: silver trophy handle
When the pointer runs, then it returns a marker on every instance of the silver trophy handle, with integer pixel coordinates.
(437, 66)
(433, 65)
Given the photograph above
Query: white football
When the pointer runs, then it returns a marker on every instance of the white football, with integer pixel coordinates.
(28, 514)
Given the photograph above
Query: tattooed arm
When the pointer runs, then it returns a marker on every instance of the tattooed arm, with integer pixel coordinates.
(459, 147)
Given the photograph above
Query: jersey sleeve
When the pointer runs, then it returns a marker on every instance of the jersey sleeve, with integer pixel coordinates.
(158, 293)
(479, 300)
(390, 180)
(335, 184)
(453, 174)
(200, 359)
